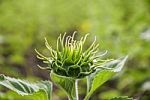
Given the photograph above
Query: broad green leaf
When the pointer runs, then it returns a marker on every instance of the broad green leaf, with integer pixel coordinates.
(24, 88)
(122, 98)
(98, 78)
(67, 84)
(11, 95)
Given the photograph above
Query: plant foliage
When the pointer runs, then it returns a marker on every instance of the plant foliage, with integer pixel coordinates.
(68, 64)
(23, 87)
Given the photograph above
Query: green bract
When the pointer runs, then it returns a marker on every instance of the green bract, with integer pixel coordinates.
(70, 60)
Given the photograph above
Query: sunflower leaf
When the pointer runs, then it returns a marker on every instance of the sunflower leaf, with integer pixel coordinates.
(98, 78)
(24, 88)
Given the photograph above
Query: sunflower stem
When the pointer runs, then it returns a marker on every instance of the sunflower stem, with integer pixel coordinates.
(76, 89)
(75, 92)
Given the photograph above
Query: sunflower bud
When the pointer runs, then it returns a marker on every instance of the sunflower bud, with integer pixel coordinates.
(69, 59)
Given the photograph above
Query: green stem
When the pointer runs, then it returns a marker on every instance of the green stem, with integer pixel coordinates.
(76, 90)
(87, 83)
(88, 89)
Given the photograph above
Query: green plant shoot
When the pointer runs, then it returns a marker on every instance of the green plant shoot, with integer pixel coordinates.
(68, 63)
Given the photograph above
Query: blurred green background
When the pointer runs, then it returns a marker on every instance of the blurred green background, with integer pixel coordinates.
(121, 26)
